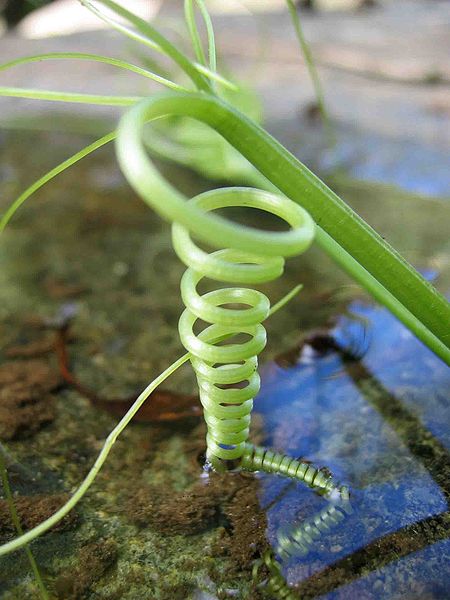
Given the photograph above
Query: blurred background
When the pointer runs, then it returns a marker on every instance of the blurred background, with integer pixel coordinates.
(383, 64)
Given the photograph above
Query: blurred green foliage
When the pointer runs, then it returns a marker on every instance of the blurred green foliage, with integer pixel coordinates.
(15, 10)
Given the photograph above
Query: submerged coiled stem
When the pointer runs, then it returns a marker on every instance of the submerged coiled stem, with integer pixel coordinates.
(297, 540)
(258, 458)
(226, 373)
(276, 583)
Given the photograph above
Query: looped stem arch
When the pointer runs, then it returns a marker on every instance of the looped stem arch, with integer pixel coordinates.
(340, 231)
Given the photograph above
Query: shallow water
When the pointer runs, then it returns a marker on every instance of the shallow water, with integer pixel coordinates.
(153, 526)
(379, 423)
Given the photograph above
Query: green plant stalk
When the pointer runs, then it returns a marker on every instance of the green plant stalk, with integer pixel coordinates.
(415, 301)
(287, 175)
(91, 476)
(16, 522)
(371, 285)
(146, 36)
(382, 295)
(347, 230)
(123, 29)
(214, 76)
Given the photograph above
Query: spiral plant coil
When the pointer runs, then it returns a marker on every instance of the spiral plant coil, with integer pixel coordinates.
(298, 540)
(227, 373)
(258, 458)
(275, 582)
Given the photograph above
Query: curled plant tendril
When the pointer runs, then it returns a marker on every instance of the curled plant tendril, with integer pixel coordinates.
(275, 583)
(257, 458)
(227, 374)
(300, 538)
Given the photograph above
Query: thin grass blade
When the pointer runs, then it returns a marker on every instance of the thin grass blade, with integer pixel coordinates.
(7, 216)
(189, 12)
(16, 522)
(309, 61)
(55, 96)
(96, 58)
(154, 36)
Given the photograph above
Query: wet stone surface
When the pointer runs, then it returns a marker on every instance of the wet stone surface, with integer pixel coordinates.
(370, 406)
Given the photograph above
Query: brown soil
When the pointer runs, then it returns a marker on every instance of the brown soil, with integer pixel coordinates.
(26, 403)
(93, 560)
(188, 512)
(32, 510)
(246, 538)
(32, 349)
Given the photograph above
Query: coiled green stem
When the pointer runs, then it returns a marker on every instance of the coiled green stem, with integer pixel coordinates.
(258, 458)
(297, 540)
(276, 584)
(79, 493)
(227, 374)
